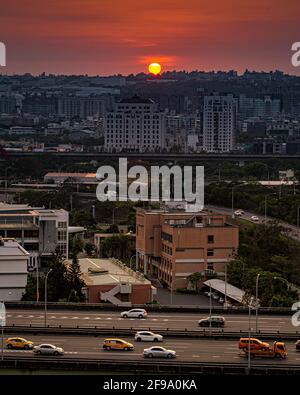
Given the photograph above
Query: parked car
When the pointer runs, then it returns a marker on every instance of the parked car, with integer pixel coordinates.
(147, 336)
(48, 349)
(221, 300)
(254, 218)
(134, 313)
(215, 296)
(297, 345)
(117, 344)
(18, 342)
(216, 321)
(255, 344)
(159, 352)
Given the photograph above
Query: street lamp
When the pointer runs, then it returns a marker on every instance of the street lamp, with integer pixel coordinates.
(46, 280)
(37, 282)
(2, 325)
(249, 338)
(171, 294)
(256, 302)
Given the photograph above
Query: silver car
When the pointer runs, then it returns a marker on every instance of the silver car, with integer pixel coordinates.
(147, 336)
(134, 313)
(159, 352)
(48, 349)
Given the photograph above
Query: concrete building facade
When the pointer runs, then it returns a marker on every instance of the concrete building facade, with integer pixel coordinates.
(134, 125)
(13, 270)
(219, 123)
(38, 230)
(109, 280)
(171, 245)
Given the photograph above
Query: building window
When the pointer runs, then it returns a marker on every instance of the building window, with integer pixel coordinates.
(210, 239)
(210, 252)
(166, 237)
(210, 266)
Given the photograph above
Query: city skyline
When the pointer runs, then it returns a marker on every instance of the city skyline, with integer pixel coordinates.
(124, 37)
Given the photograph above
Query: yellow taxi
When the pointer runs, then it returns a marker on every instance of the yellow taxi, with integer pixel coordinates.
(117, 344)
(18, 342)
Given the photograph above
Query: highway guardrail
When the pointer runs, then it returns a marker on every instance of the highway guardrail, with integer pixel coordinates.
(130, 331)
(117, 365)
(149, 307)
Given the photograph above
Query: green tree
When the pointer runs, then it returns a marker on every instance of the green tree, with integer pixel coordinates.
(89, 248)
(58, 286)
(195, 279)
(75, 281)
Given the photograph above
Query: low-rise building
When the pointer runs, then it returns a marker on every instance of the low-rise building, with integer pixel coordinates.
(39, 231)
(171, 245)
(109, 280)
(13, 270)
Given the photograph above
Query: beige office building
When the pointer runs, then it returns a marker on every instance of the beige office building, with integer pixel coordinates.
(171, 245)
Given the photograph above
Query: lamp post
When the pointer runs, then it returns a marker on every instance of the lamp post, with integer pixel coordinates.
(249, 341)
(283, 280)
(46, 281)
(171, 293)
(209, 307)
(37, 282)
(256, 302)
(3, 323)
(226, 284)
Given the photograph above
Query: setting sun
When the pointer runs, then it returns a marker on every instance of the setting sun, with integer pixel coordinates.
(154, 68)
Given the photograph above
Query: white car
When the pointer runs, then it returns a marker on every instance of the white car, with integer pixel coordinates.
(159, 352)
(221, 300)
(254, 218)
(48, 349)
(147, 336)
(134, 313)
(238, 213)
(215, 296)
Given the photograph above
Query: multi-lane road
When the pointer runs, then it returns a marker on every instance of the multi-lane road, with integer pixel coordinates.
(188, 350)
(154, 321)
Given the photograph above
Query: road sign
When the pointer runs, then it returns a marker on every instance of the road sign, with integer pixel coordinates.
(2, 314)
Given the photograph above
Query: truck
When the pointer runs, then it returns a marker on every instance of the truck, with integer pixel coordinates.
(276, 350)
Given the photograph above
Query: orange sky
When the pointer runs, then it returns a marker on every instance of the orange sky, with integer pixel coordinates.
(122, 36)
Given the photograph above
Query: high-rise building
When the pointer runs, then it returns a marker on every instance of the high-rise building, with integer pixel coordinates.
(82, 107)
(134, 125)
(219, 123)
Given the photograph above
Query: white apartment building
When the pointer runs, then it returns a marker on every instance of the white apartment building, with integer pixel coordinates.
(13, 270)
(38, 230)
(135, 125)
(219, 123)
